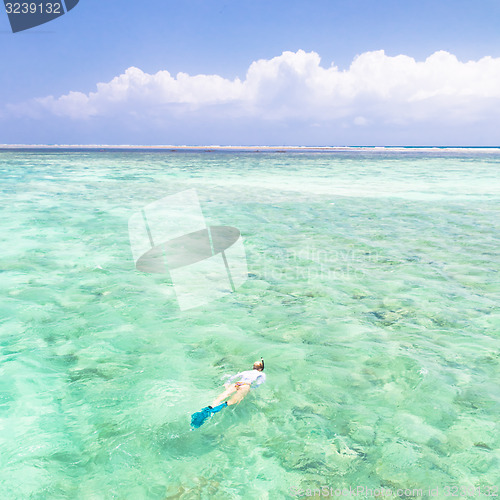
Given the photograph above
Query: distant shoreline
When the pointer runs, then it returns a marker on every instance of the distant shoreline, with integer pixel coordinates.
(255, 149)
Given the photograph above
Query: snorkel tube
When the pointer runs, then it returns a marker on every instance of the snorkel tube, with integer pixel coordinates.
(262, 361)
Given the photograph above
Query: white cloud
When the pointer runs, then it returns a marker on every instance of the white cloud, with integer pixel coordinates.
(375, 89)
(136, 89)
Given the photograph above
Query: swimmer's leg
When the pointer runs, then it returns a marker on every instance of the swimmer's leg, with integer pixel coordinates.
(240, 394)
(224, 395)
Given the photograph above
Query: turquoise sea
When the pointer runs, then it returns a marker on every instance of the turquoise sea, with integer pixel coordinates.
(373, 295)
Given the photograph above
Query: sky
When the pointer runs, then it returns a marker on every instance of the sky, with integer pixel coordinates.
(205, 72)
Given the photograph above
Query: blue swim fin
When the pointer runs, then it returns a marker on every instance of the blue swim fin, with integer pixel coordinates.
(219, 408)
(198, 418)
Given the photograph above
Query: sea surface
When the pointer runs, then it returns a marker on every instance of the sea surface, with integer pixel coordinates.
(373, 295)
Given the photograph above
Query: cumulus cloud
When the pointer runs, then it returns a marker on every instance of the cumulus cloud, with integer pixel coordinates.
(135, 89)
(376, 88)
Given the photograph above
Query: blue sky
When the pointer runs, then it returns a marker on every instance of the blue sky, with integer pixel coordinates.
(295, 99)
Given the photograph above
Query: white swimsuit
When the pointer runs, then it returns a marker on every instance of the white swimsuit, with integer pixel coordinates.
(250, 377)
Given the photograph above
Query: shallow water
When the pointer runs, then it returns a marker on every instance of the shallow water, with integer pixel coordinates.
(373, 295)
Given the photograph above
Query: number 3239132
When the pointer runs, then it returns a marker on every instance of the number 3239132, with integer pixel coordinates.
(33, 8)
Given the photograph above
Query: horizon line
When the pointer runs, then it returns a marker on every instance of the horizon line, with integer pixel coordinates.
(217, 147)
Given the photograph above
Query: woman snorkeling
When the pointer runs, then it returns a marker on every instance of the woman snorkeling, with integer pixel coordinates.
(245, 381)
